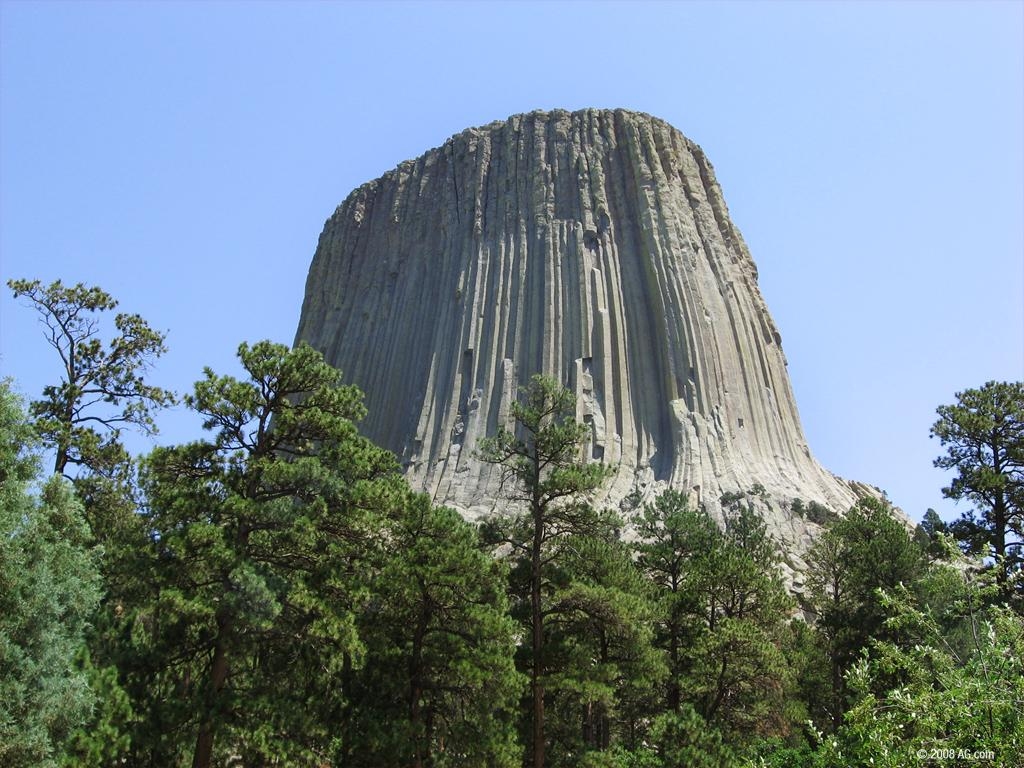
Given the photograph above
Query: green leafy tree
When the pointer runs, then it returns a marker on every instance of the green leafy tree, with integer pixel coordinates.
(259, 539)
(49, 587)
(601, 658)
(740, 676)
(959, 701)
(100, 392)
(672, 538)
(867, 550)
(724, 611)
(102, 387)
(439, 685)
(542, 456)
(983, 435)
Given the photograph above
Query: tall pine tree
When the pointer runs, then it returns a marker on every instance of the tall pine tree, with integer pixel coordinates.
(542, 456)
(258, 567)
(439, 685)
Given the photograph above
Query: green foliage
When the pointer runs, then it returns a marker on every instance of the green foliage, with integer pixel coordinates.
(104, 738)
(946, 701)
(813, 511)
(867, 550)
(19, 462)
(542, 455)
(275, 594)
(944, 685)
(439, 685)
(49, 587)
(260, 546)
(740, 676)
(543, 459)
(673, 538)
(806, 653)
(983, 435)
(819, 513)
(102, 388)
(602, 663)
(722, 618)
(101, 391)
(683, 739)
(935, 537)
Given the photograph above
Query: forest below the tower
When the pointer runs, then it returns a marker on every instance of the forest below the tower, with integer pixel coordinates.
(273, 593)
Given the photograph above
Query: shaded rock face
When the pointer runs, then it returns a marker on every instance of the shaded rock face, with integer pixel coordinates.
(594, 246)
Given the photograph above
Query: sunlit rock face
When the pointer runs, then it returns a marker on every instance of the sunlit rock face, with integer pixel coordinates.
(594, 246)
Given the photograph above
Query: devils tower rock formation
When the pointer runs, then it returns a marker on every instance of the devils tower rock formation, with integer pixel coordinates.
(593, 246)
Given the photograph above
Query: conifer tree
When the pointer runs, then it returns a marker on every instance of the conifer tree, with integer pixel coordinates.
(672, 538)
(983, 434)
(601, 656)
(100, 391)
(865, 551)
(102, 387)
(439, 684)
(542, 457)
(258, 566)
(723, 613)
(49, 587)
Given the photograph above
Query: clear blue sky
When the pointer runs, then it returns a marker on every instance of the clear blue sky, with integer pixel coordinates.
(184, 156)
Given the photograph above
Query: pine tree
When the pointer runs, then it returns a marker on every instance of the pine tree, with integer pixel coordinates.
(602, 661)
(439, 684)
(983, 434)
(102, 388)
(259, 537)
(101, 391)
(672, 538)
(543, 458)
(867, 550)
(723, 614)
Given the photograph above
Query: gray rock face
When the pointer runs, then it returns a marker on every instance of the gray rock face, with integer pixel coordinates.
(594, 246)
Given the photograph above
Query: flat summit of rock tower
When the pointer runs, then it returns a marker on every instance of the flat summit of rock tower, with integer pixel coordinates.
(596, 247)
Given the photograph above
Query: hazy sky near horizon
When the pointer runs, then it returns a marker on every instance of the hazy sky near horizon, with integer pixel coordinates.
(184, 156)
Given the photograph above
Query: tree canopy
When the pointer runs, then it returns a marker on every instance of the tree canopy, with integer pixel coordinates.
(102, 386)
(49, 587)
(258, 540)
(273, 593)
(542, 455)
(983, 436)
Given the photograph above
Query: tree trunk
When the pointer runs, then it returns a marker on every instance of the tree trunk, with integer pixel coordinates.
(68, 416)
(603, 720)
(62, 459)
(674, 694)
(999, 525)
(414, 721)
(218, 677)
(64, 442)
(345, 726)
(837, 691)
(587, 731)
(536, 606)
(416, 686)
(713, 702)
